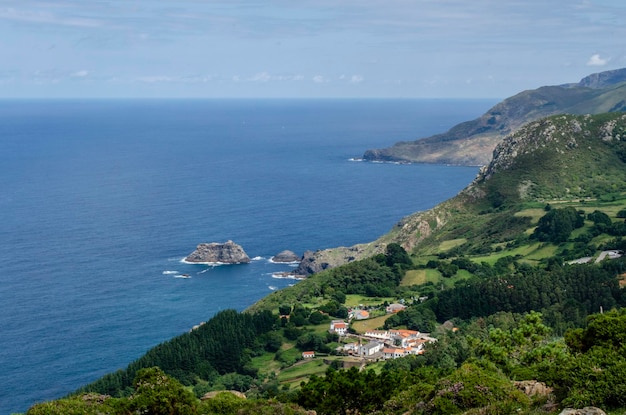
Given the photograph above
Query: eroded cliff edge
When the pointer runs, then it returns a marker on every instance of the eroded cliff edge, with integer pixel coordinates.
(471, 143)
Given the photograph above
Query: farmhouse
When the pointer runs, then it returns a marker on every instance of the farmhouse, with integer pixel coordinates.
(338, 326)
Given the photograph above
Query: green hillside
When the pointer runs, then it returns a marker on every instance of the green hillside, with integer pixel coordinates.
(518, 278)
(472, 142)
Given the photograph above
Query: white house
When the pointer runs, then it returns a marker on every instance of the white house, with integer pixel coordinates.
(338, 326)
(388, 353)
(404, 338)
(370, 349)
(378, 334)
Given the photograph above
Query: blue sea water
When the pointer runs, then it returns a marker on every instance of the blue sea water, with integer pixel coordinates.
(100, 201)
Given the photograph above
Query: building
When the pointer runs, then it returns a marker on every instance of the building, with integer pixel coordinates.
(308, 355)
(360, 314)
(394, 308)
(378, 334)
(338, 326)
(351, 348)
(370, 349)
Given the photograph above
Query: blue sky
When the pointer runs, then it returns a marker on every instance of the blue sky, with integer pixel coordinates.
(302, 48)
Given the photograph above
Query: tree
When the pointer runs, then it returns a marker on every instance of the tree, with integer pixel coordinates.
(595, 373)
(395, 254)
(347, 391)
(284, 309)
(158, 394)
(557, 225)
(599, 217)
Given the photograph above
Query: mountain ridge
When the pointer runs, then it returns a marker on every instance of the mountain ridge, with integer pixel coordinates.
(562, 157)
(472, 142)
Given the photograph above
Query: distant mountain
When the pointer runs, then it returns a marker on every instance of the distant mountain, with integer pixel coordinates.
(472, 142)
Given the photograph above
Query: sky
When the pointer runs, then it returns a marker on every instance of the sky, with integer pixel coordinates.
(303, 48)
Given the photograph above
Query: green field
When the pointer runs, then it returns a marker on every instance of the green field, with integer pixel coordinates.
(302, 370)
(354, 300)
(452, 243)
(420, 276)
(370, 324)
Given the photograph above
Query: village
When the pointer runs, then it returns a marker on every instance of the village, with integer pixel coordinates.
(377, 345)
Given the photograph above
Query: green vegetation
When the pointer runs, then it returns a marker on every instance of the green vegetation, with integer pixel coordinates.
(498, 280)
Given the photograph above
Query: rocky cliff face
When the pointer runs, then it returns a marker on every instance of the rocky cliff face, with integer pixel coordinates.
(316, 261)
(409, 232)
(472, 142)
(560, 146)
(603, 79)
(226, 253)
(556, 158)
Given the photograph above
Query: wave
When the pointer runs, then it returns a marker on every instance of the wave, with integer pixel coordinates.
(271, 287)
(182, 276)
(286, 275)
(213, 264)
(271, 261)
(170, 272)
(257, 258)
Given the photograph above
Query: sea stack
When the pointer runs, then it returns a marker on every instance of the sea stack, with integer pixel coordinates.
(286, 256)
(215, 252)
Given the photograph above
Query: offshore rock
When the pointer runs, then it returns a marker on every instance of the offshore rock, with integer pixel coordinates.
(286, 256)
(214, 252)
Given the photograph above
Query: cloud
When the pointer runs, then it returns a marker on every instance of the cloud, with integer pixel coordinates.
(596, 60)
(80, 74)
(9, 13)
(267, 77)
(319, 79)
(356, 79)
(152, 79)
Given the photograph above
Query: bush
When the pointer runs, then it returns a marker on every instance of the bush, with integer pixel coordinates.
(471, 386)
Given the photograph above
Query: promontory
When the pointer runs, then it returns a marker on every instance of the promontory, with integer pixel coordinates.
(215, 252)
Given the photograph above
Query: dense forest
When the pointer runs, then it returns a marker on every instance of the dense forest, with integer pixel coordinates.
(498, 339)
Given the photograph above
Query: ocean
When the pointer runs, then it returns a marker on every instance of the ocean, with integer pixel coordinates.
(101, 199)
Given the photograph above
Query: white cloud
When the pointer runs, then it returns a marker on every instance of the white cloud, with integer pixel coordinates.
(319, 79)
(267, 77)
(80, 74)
(596, 60)
(261, 77)
(356, 79)
(156, 79)
(9, 13)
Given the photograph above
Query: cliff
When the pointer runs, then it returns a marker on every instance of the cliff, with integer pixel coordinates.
(226, 253)
(563, 157)
(472, 142)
